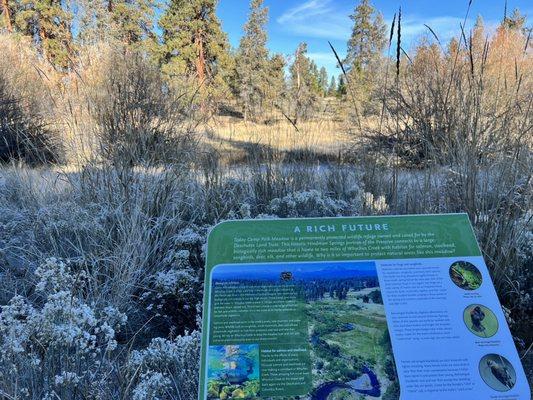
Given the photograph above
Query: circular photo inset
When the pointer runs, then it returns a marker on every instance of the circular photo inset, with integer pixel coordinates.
(497, 372)
(465, 275)
(480, 320)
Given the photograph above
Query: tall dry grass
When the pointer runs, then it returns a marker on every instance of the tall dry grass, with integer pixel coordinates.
(459, 119)
(28, 129)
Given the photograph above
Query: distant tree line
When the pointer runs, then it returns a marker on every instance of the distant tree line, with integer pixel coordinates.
(339, 288)
(185, 39)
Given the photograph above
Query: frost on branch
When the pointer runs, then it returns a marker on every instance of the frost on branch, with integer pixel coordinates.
(311, 203)
(59, 344)
(165, 361)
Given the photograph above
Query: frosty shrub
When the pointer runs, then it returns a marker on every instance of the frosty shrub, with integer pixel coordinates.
(58, 228)
(375, 204)
(15, 236)
(53, 275)
(310, 203)
(166, 369)
(179, 283)
(59, 346)
(187, 238)
(68, 222)
(173, 290)
(224, 198)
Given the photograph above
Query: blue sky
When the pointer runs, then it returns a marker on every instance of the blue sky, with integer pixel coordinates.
(317, 21)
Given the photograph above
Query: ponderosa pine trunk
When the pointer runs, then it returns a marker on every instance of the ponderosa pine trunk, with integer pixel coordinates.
(7, 15)
(201, 67)
(43, 38)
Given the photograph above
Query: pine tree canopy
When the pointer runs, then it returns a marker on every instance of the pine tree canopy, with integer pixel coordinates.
(252, 64)
(132, 20)
(47, 22)
(323, 79)
(368, 37)
(194, 44)
(332, 86)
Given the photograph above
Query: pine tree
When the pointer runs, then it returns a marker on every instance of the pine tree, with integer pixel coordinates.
(323, 80)
(332, 89)
(6, 13)
(132, 21)
(276, 85)
(94, 21)
(368, 37)
(303, 84)
(48, 23)
(315, 78)
(365, 48)
(195, 48)
(341, 87)
(252, 60)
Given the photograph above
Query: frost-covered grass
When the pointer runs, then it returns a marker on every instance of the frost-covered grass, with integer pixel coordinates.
(101, 269)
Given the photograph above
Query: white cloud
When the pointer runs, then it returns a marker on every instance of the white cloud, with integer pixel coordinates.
(305, 10)
(317, 19)
(324, 19)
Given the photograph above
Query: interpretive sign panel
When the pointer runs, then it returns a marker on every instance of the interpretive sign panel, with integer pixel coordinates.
(392, 307)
